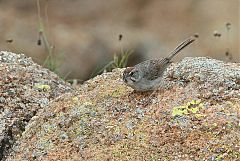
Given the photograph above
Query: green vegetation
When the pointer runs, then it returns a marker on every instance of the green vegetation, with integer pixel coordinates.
(53, 60)
(119, 61)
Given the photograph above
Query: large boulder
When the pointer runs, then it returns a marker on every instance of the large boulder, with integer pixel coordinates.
(194, 116)
(25, 87)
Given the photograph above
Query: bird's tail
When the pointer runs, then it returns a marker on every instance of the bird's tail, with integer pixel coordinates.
(180, 47)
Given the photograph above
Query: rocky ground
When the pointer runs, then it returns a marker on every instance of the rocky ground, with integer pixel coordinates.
(25, 87)
(195, 116)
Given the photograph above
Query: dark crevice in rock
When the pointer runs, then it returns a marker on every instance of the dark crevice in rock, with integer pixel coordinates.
(6, 144)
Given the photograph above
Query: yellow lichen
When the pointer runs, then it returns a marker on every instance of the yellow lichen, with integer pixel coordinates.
(43, 87)
(119, 91)
(179, 111)
(75, 99)
(191, 107)
(87, 104)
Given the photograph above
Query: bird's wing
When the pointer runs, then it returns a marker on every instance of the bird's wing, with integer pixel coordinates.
(154, 68)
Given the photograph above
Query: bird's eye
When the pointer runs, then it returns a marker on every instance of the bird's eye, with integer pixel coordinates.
(134, 76)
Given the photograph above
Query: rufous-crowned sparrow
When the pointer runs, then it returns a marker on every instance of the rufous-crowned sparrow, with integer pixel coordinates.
(147, 75)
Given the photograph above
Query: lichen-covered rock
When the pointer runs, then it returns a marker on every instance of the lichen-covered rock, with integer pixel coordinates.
(25, 87)
(220, 80)
(195, 116)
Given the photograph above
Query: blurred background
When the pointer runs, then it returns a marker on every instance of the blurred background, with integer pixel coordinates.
(82, 36)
